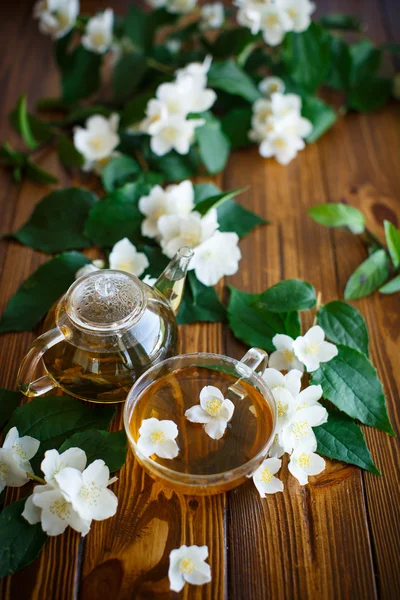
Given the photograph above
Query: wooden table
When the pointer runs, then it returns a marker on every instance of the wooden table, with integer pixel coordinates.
(335, 538)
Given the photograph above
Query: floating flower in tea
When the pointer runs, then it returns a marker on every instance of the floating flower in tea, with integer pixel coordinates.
(158, 437)
(214, 411)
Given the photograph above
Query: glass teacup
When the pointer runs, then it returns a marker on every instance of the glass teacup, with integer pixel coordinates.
(209, 459)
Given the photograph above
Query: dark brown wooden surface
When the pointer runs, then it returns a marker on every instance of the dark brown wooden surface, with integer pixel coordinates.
(339, 537)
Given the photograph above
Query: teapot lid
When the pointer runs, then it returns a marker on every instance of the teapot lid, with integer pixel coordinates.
(106, 300)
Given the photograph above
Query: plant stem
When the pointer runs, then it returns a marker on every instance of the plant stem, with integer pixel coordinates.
(35, 477)
(154, 64)
(141, 160)
(317, 307)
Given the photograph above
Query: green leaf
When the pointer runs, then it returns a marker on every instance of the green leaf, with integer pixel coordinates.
(393, 241)
(80, 75)
(141, 27)
(365, 60)
(134, 110)
(23, 124)
(213, 144)
(307, 57)
(344, 324)
(289, 296)
(10, 157)
(236, 125)
(110, 447)
(368, 91)
(342, 439)
(127, 75)
(338, 76)
(202, 191)
(200, 303)
(38, 174)
(117, 216)
(232, 42)
(9, 401)
(20, 542)
(54, 419)
(390, 47)
(342, 22)
(41, 132)
(157, 260)
(230, 78)
(40, 291)
(176, 167)
(338, 215)
(391, 287)
(119, 171)
(351, 383)
(57, 221)
(252, 323)
(369, 276)
(215, 201)
(321, 115)
(68, 154)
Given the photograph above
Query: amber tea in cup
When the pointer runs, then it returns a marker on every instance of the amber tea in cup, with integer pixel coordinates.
(205, 465)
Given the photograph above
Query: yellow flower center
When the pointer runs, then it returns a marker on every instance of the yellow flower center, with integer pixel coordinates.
(61, 508)
(272, 20)
(98, 38)
(213, 405)
(301, 429)
(281, 408)
(266, 476)
(186, 566)
(281, 145)
(125, 265)
(20, 451)
(90, 492)
(4, 470)
(170, 134)
(312, 349)
(273, 87)
(304, 460)
(157, 437)
(96, 143)
(287, 355)
(292, 12)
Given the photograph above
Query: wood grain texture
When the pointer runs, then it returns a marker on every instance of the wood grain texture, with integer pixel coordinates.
(339, 536)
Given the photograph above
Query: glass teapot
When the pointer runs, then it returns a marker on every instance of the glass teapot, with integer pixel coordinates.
(105, 332)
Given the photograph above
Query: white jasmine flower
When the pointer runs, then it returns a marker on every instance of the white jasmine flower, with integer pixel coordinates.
(216, 257)
(99, 32)
(181, 7)
(173, 45)
(14, 459)
(284, 359)
(56, 17)
(85, 270)
(158, 437)
(174, 200)
(125, 257)
(156, 111)
(249, 13)
(299, 13)
(54, 462)
(187, 563)
(214, 411)
(304, 462)
(273, 23)
(276, 450)
(148, 280)
(271, 85)
(282, 146)
(173, 133)
(88, 491)
(175, 97)
(191, 230)
(197, 71)
(212, 15)
(310, 396)
(312, 350)
(98, 139)
(49, 506)
(264, 479)
(284, 388)
(285, 104)
(299, 429)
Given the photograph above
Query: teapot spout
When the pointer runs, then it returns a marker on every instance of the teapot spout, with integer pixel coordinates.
(171, 282)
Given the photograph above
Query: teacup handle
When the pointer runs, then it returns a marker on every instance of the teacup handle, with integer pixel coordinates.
(26, 375)
(256, 360)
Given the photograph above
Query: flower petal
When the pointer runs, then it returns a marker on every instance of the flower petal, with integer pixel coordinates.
(31, 512)
(293, 381)
(226, 411)
(97, 472)
(282, 341)
(208, 393)
(168, 449)
(315, 335)
(196, 414)
(273, 377)
(327, 351)
(201, 574)
(169, 428)
(105, 506)
(215, 428)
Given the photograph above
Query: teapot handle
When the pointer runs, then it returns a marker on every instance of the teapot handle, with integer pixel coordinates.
(256, 360)
(26, 381)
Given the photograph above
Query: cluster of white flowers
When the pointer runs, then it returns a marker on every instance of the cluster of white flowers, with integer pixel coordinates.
(274, 18)
(309, 350)
(167, 120)
(178, 7)
(212, 16)
(72, 494)
(277, 124)
(172, 220)
(97, 141)
(14, 459)
(58, 17)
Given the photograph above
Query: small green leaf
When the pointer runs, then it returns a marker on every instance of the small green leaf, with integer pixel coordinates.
(23, 124)
(68, 154)
(368, 91)
(366, 59)
(9, 401)
(176, 167)
(391, 287)
(369, 276)
(80, 74)
(117, 216)
(54, 419)
(57, 221)
(236, 125)
(202, 191)
(40, 291)
(338, 215)
(141, 26)
(344, 324)
(213, 144)
(342, 22)
(342, 439)
(351, 383)
(230, 78)
(215, 201)
(119, 171)
(110, 447)
(127, 75)
(252, 323)
(289, 296)
(321, 115)
(41, 132)
(200, 303)
(393, 241)
(20, 542)
(232, 42)
(38, 174)
(340, 66)
(134, 110)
